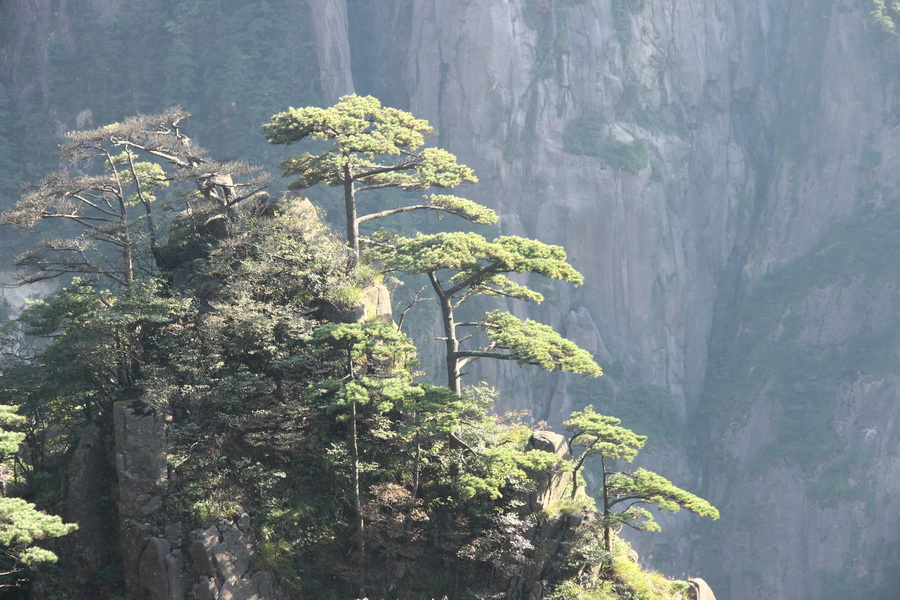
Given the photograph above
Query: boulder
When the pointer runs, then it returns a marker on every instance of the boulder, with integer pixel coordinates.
(377, 302)
(701, 589)
(552, 484)
(222, 568)
(159, 571)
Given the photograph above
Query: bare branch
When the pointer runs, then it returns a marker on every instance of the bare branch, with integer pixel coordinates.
(417, 297)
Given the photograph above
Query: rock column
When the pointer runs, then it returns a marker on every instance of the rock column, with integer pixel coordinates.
(151, 566)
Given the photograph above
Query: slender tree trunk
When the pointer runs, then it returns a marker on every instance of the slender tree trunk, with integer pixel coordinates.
(357, 504)
(454, 377)
(350, 210)
(359, 524)
(607, 543)
(139, 186)
(577, 469)
(128, 262)
(125, 235)
(416, 464)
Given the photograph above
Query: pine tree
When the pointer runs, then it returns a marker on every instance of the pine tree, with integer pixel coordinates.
(461, 266)
(603, 436)
(372, 148)
(114, 209)
(21, 523)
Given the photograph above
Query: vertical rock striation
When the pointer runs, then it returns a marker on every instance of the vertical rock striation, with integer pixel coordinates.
(332, 47)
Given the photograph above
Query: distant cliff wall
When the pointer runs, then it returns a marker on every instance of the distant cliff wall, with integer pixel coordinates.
(725, 175)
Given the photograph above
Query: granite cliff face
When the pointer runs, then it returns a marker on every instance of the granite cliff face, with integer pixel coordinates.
(724, 174)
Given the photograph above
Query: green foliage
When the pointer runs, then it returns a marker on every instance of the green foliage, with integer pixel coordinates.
(374, 354)
(478, 264)
(499, 468)
(21, 523)
(631, 156)
(587, 135)
(139, 158)
(461, 266)
(355, 125)
(473, 211)
(548, 20)
(80, 364)
(9, 439)
(635, 582)
(534, 343)
(91, 361)
(656, 490)
(279, 402)
(626, 580)
(602, 436)
(583, 135)
(887, 14)
(371, 147)
(266, 405)
(292, 258)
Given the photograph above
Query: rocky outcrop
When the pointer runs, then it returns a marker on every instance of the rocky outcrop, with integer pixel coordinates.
(140, 434)
(221, 565)
(554, 536)
(151, 564)
(90, 479)
(376, 302)
(553, 484)
(556, 525)
(159, 561)
(701, 590)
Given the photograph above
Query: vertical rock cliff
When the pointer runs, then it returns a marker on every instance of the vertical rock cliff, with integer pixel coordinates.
(724, 174)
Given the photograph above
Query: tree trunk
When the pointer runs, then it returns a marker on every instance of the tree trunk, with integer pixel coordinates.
(417, 462)
(607, 542)
(359, 524)
(350, 210)
(454, 377)
(357, 505)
